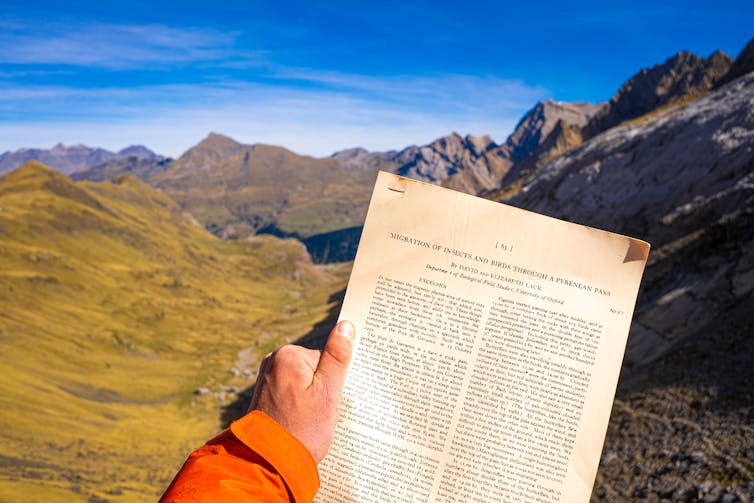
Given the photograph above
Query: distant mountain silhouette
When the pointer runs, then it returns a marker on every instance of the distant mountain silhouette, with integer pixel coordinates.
(142, 167)
(69, 159)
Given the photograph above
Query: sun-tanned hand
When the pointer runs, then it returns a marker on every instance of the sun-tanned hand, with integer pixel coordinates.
(300, 388)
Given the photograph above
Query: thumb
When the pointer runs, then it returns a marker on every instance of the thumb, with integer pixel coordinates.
(333, 363)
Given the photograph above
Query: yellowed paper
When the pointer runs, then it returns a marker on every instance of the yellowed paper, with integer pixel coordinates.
(489, 345)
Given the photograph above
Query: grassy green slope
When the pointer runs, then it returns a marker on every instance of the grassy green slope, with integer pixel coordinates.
(114, 308)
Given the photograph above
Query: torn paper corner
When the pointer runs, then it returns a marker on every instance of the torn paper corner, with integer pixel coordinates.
(399, 183)
(637, 250)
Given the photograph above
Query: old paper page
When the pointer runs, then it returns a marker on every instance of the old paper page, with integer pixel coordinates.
(489, 345)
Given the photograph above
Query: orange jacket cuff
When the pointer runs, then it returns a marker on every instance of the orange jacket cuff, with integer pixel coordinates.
(293, 462)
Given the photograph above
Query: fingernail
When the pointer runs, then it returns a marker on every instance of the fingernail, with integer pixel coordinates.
(345, 328)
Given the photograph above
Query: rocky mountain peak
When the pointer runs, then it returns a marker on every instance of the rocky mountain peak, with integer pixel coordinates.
(537, 124)
(217, 142)
(349, 153)
(214, 148)
(470, 163)
(683, 75)
(743, 64)
(454, 145)
(139, 151)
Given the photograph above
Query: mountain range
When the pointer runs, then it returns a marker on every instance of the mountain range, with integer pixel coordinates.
(74, 158)
(123, 271)
(238, 190)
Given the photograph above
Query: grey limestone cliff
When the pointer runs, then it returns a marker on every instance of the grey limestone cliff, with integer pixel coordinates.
(682, 179)
(673, 180)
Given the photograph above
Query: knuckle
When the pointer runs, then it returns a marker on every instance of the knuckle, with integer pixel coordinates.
(287, 352)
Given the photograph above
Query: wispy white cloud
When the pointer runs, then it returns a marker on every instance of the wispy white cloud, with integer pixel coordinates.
(310, 111)
(116, 46)
(325, 113)
(453, 92)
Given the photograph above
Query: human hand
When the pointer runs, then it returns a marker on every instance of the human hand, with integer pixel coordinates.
(300, 388)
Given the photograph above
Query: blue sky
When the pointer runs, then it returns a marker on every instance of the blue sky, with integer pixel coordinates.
(317, 77)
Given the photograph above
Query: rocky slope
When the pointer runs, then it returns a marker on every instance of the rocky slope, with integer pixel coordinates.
(551, 129)
(69, 159)
(683, 179)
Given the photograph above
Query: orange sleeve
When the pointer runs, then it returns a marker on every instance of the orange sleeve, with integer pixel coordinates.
(255, 459)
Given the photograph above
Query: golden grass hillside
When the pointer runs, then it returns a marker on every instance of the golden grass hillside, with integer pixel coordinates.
(114, 309)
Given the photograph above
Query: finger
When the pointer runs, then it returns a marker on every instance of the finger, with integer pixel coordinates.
(333, 363)
(264, 367)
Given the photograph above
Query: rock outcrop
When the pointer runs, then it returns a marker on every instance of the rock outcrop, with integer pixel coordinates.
(552, 128)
